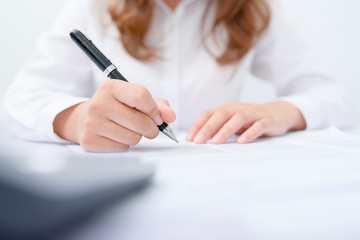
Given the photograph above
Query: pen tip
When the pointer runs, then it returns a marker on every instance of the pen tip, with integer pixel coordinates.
(174, 138)
(168, 132)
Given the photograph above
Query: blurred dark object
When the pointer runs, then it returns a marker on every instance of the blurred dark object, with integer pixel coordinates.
(46, 188)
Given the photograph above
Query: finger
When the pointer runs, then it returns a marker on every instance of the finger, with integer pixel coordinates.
(253, 132)
(167, 113)
(122, 115)
(235, 124)
(113, 131)
(137, 96)
(241, 131)
(134, 120)
(94, 143)
(212, 126)
(194, 129)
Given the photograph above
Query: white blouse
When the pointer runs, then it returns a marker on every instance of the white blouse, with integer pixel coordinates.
(60, 75)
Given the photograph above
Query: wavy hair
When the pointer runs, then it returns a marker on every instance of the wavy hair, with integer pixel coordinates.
(244, 20)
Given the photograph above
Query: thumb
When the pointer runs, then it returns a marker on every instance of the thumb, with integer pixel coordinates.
(168, 115)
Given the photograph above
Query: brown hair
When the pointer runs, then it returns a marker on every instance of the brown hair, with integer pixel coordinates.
(244, 20)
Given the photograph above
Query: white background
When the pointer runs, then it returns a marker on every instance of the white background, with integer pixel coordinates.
(331, 27)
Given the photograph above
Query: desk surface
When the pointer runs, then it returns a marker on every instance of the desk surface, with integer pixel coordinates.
(304, 185)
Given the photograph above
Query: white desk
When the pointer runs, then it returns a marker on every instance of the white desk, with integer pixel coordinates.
(304, 185)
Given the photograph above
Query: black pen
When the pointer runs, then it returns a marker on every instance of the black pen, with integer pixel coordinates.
(108, 68)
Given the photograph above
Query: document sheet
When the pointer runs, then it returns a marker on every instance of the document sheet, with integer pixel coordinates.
(304, 185)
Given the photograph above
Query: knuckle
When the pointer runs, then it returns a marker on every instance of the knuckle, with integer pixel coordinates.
(95, 107)
(262, 124)
(141, 94)
(223, 113)
(207, 113)
(86, 141)
(166, 102)
(142, 123)
(241, 115)
(106, 85)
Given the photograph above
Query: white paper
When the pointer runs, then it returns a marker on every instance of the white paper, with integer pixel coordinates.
(304, 185)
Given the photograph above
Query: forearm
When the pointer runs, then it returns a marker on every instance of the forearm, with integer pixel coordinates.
(324, 106)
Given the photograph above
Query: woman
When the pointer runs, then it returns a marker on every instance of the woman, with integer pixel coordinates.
(193, 53)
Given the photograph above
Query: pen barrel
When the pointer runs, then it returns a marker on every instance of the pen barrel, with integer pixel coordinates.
(117, 75)
(90, 49)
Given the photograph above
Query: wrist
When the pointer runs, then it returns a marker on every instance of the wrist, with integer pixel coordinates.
(297, 119)
(67, 123)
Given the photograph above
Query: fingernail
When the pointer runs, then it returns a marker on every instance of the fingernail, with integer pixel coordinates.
(242, 139)
(200, 138)
(219, 138)
(158, 120)
(189, 136)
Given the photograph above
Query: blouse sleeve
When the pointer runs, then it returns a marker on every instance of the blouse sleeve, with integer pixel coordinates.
(58, 76)
(282, 58)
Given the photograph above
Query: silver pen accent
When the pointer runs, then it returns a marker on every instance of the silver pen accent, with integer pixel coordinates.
(169, 132)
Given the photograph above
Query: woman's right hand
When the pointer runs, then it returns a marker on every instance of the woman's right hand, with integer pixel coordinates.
(117, 116)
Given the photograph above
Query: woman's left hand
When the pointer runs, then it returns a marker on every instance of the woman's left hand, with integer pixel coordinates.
(250, 121)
